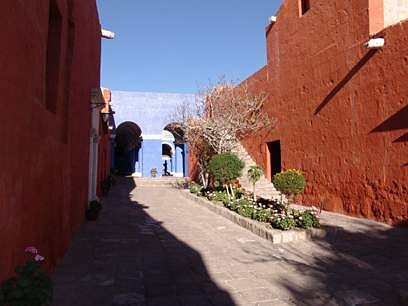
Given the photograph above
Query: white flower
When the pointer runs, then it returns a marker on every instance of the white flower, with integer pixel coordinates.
(38, 257)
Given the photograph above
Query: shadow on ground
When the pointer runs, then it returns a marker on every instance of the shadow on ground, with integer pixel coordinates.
(368, 267)
(128, 258)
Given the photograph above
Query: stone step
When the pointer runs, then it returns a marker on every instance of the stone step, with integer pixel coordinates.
(158, 182)
(264, 187)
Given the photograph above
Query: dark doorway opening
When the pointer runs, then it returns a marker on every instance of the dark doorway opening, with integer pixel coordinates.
(128, 142)
(304, 6)
(274, 149)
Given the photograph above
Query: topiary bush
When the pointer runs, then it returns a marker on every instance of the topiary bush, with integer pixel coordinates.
(290, 182)
(226, 167)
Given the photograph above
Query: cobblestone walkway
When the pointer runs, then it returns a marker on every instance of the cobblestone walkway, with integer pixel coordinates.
(152, 246)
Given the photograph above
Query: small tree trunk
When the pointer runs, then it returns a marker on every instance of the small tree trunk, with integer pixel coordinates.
(226, 188)
(203, 179)
(253, 191)
(232, 192)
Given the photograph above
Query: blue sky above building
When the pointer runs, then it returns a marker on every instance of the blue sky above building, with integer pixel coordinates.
(182, 45)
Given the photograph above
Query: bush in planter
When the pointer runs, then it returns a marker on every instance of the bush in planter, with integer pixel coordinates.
(93, 210)
(30, 287)
(306, 219)
(195, 188)
(219, 196)
(226, 167)
(289, 182)
(283, 222)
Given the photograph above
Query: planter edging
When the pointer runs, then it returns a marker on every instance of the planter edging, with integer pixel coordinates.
(274, 235)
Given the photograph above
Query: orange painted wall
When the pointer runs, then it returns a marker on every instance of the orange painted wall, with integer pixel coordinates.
(342, 110)
(44, 153)
(104, 143)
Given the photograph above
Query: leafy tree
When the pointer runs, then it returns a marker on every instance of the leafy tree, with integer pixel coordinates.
(290, 182)
(254, 175)
(225, 167)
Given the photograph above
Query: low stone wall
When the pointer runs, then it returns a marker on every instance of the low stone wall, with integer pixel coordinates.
(262, 229)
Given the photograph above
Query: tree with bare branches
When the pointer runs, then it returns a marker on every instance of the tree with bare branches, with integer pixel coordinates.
(221, 116)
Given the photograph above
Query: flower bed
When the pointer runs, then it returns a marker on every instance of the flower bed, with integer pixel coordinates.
(276, 214)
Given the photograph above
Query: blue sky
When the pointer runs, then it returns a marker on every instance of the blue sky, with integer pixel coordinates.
(181, 45)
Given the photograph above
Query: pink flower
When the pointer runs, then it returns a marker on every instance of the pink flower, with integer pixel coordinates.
(31, 250)
(38, 257)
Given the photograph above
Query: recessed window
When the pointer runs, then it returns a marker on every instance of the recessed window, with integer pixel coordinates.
(304, 6)
(53, 56)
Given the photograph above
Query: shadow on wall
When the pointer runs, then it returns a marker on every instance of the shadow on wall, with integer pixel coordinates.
(398, 121)
(345, 80)
(365, 267)
(139, 257)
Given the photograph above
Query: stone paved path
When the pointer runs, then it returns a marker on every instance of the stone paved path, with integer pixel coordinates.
(152, 246)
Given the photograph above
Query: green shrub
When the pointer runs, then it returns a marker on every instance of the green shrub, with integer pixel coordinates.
(31, 286)
(283, 223)
(308, 219)
(220, 196)
(195, 188)
(262, 215)
(245, 208)
(225, 167)
(290, 182)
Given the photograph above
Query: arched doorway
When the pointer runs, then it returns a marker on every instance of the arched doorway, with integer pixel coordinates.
(179, 157)
(167, 154)
(128, 141)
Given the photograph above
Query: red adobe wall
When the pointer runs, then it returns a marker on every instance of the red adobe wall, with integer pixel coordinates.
(45, 142)
(342, 110)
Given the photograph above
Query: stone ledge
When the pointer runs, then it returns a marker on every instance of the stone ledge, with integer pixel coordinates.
(260, 229)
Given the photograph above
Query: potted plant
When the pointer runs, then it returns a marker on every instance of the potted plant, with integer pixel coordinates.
(93, 210)
(153, 172)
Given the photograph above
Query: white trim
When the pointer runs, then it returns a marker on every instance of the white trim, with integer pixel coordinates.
(151, 136)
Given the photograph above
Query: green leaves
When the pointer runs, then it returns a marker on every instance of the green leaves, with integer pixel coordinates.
(290, 182)
(254, 174)
(225, 167)
(31, 286)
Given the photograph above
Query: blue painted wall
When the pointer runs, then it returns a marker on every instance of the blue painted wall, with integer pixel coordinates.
(151, 112)
(152, 157)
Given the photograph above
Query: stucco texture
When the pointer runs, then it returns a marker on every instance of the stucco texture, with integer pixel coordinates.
(151, 111)
(341, 110)
(44, 151)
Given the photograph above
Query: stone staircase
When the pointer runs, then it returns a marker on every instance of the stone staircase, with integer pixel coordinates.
(165, 181)
(264, 188)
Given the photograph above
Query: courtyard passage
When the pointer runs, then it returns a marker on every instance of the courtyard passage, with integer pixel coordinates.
(152, 246)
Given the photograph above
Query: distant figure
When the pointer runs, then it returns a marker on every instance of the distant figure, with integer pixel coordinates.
(165, 172)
